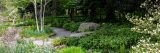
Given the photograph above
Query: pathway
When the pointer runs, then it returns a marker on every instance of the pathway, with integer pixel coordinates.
(12, 35)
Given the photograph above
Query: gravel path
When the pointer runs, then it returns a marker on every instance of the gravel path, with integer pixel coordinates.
(12, 35)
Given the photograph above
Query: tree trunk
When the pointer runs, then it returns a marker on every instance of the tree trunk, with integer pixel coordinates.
(71, 12)
(66, 12)
(41, 17)
(35, 8)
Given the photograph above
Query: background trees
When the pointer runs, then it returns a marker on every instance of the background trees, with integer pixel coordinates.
(91, 10)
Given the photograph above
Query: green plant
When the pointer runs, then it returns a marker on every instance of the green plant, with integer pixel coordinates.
(122, 48)
(65, 40)
(72, 49)
(71, 26)
(57, 41)
(25, 22)
(30, 31)
(70, 41)
(3, 29)
(145, 45)
(56, 21)
(25, 47)
(149, 22)
(109, 38)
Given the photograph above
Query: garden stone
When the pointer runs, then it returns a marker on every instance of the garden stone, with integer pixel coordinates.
(88, 27)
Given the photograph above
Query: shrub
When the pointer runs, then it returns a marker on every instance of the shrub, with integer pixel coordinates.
(3, 29)
(109, 38)
(146, 46)
(27, 22)
(71, 26)
(25, 47)
(149, 22)
(106, 39)
(30, 31)
(72, 50)
(56, 21)
(57, 41)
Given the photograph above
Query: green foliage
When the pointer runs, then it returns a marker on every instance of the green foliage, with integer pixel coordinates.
(27, 22)
(109, 38)
(56, 21)
(70, 41)
(30, 31)
(57, 41)
(68, 3)
(3, 29)
(72, 50)
(25, 47)
(150, 22)
(71, 26)
(122, 48)
(145, 45)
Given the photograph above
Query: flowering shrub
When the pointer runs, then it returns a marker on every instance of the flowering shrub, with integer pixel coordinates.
(145, 46)
(150, 23)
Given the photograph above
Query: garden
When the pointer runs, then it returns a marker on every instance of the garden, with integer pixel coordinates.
(79, 26)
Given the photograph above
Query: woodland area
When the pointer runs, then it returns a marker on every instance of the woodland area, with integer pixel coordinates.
(79, 26)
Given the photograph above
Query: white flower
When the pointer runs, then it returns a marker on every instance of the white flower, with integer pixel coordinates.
(156, 44)
(151, 19)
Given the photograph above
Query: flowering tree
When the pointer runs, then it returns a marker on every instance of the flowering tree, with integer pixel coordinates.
(151, 22)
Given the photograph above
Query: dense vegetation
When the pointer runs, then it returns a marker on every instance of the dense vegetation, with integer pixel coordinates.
(120, 26)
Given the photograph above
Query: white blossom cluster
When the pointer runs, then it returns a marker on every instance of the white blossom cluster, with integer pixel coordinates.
(145, 46)
(147, 24)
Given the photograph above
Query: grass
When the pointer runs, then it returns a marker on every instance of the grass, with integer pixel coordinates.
(30, 31)
(72, 49)
(3, 27)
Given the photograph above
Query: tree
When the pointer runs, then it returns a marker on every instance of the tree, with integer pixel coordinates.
(107, 8)
(12, 7)
(70, 6)
(42, 12)
(150, 23)
(36, 16)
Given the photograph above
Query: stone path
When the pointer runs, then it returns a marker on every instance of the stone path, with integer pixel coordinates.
(60, 32)
(12, 35)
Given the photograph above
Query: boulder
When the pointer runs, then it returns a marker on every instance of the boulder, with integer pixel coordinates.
(88, 27)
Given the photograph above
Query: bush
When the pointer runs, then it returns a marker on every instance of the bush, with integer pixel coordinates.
(57, 41)
(27, 22)
(3, 29)
(65, 40)
(56, 21)
(146, 46)
(25, 47)
(30, 31)
(71, 26)
(109, 38)
(72, 50)
(106, 39)
(149, 22)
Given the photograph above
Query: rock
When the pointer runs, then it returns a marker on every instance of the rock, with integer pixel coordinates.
(88, 27)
